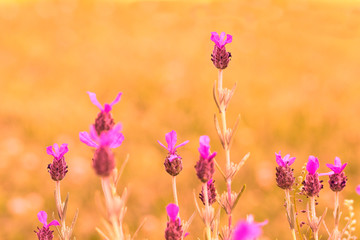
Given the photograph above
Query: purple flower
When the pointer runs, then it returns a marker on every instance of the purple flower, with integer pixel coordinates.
(337, 167)
(112, 138)
(204, 148)
(58, 167)
(205, 166)
(57, 153)
(107, 107)
(248, 230)
(287, 160)
(45, 233)
(173, 229)
(358, 189)
(171, 138)
(313, 165)
(220, 40)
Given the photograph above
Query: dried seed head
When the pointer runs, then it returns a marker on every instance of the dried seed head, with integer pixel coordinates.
(103, 161)
(44, 233)
(312, 185)
(337, 181)
(285, 177)
(173, 164)
(103, 122)
(211, 193)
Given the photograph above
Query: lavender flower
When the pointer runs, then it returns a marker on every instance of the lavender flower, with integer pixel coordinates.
(248, 230)
(104, 120)
(173, 163)
(337, 180)
(45, 233)
(211, 192)
(58, 167)
(103, 161)
(205, 166)
(173, 229)
(312, 184)
(284, 174)
(220, 57)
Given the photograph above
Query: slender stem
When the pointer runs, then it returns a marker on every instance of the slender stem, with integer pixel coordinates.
(226, 148)
(313, 217)
(174, 190)
(105, 183)
(336, 215)
(207, 213)
(59, 206)
(293, 233)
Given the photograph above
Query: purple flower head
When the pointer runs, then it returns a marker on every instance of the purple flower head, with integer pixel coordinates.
(45, 233)
(248, 230)
(171, 138)
(358, 189)
(107, 107)
(42, 216)
(204, 148)
(337, 167)
(220, 41)
(313, 165)
(112, 138)
(57, 153)
(287, 160)
(174, 230)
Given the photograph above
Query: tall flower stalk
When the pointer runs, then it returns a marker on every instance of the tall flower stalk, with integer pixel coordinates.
(222, 96)
(58, 170)
(104, 136)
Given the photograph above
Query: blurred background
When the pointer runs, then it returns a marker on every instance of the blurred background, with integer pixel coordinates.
(297, 68)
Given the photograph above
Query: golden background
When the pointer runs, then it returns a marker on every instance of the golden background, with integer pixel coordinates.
(297, 68)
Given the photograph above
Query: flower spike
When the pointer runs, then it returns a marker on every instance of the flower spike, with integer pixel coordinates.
(337, 167)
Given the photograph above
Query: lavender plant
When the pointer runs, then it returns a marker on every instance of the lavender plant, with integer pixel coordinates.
(58, 170)
(45, 233)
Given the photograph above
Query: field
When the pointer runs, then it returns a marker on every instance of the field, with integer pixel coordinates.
(297, 68)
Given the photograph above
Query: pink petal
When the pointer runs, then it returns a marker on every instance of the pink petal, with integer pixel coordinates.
(181, 144)
(94, 100)
(204, 148)
(343, 166)
(222, 39)
(117, 140)
(228, 39)
(172, 211)
(312, 165)
(85, 138)
(215, 37)
(358, 189)
(56, 150)
(171, 139)
(279, 160)
(337, 162)
(53, 223)
(49, 150)
(326, 174)
(186, 234)
(117, 99)
(42, 216)
(63, 149)
(163, 145)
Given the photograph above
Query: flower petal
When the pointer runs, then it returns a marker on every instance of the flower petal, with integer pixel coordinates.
(42, 216)
(171, 138)
(85, 138)
(94, 100)
(163, 145)
(117, 99)
(181, 144)
(63, 149)
(342, 167)
(53, 223)
(229, 39)
(312, 165)
(215, 38)
(204, 148)
(56, 150)
(222, 39)
(49, 150)
(337, 162)
(279, 160)
(172, 211)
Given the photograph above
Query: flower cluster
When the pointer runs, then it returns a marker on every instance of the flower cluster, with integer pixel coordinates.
(174, 230)
(205, 167)
(104, 135)
(220, 57)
